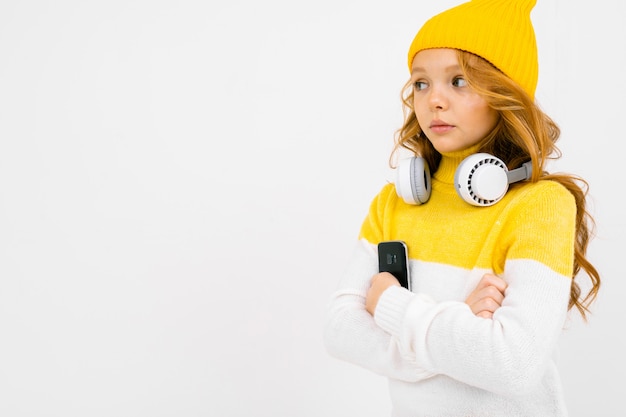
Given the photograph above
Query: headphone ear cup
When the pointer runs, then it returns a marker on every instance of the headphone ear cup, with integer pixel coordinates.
(481, 179)
(413, 181)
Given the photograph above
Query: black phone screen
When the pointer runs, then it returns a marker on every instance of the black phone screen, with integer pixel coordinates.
(393, 258)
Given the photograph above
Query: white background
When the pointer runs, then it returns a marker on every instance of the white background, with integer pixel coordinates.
(181, 181)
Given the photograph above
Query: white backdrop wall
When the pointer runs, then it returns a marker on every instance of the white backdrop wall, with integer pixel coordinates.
(181, 181)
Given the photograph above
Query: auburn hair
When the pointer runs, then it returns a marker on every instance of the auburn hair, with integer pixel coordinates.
(523, 132)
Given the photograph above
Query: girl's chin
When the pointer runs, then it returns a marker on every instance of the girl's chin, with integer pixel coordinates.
(449, 146)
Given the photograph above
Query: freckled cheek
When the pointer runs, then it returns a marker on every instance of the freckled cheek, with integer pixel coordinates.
(421, 109)
(480, 110)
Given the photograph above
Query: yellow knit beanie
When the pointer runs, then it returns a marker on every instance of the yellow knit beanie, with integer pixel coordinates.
(499, 31)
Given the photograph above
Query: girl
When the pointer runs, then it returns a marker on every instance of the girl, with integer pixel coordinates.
(492, 281)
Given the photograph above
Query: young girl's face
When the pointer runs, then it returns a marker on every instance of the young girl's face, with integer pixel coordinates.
(449, 112)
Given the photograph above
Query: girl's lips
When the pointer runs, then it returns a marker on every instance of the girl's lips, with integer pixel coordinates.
(441, 128)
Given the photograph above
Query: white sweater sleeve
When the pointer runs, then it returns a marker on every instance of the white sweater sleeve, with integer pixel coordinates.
(350, 332)
(507, 354)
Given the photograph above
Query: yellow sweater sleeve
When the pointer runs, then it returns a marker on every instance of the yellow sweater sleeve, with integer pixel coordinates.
(542, 227)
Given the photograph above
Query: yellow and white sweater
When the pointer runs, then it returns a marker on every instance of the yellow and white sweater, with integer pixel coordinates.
(441, 359)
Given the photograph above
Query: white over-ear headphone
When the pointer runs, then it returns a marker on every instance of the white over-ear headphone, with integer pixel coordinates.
(481, 179)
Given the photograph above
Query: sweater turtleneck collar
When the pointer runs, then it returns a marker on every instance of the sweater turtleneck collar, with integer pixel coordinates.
(449, 163)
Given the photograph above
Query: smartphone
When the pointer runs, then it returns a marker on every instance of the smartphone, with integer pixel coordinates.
(393, 258)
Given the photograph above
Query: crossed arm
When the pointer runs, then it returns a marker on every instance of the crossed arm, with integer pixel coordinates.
(484, 300)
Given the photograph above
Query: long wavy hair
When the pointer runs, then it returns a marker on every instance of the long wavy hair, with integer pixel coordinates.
(523, 132)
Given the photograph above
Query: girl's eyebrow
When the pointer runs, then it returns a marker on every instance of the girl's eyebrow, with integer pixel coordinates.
(450, 68)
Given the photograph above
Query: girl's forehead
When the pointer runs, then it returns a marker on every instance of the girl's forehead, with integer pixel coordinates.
(435, 59)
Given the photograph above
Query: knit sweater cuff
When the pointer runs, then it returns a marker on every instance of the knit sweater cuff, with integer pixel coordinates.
(391, 308)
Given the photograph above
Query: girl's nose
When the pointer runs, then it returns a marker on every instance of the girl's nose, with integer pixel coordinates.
(437, 99)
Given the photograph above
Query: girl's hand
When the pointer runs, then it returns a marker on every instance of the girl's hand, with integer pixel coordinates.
(487, 296)
(380, 282)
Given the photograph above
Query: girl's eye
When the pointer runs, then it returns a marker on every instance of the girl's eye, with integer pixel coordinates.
(420, 85)
(459, 82)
